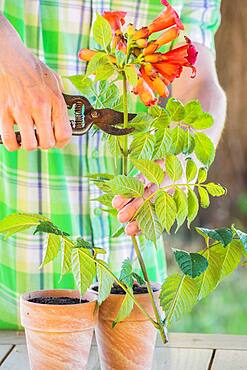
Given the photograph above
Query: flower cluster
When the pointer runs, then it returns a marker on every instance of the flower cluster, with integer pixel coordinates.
(155, 70)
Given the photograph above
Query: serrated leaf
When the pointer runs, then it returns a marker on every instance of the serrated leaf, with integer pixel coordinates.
(204, 197)
(148, 222)
(193, 110)
(102, 32)
(138, 278)
(243, 238)
(83, 84)
(178, 296)
(66, 257)
(192, 264)
(131, 74)
(126, 273)
(18, 222)
(142, 122)
(204, 121)
(51, 249)
(100, 176)
(94, 63)
(202, 175)
(161, 117)
(176, 109)
(189, 143)
(105, 282)
(151, 170)
(182, 207)
(166, 210)
(208, 281)
(178, 139)
(204, 149)
(128, 187)
(49, 227)
(224, 235)
(215, 190)
(83, 268)
(142, 146)
(82, 243)
(173, 167)
(105, 199)
(125, 309)
(103, 185)
(163, 143)
(193, 206)
(231, 257)
(104, 70)
(108, 94)
(191, 170)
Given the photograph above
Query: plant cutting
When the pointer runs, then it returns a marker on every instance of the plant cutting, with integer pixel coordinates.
(161, 144)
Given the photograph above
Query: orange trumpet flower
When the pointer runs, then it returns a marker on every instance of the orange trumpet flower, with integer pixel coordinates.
(166, 37)
(116, 19)
(167, 18)
(145, 92)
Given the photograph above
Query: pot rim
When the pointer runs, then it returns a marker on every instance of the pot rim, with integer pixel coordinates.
(90, 295)
(153, 284)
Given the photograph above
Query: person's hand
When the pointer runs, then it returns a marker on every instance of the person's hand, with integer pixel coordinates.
(30, 96)
(127, 208)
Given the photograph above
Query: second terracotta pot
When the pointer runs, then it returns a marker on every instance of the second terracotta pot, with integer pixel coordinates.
(130, 344)
(58, 337)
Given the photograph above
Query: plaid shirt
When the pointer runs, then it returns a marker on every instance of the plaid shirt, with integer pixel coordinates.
(51, 182)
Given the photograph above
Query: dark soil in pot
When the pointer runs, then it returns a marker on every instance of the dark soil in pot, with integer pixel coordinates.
(60, 301)
(137, 289)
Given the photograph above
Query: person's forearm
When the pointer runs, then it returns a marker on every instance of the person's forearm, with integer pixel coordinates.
(206, 88)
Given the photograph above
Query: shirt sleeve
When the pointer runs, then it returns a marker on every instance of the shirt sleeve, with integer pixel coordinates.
(201, 19)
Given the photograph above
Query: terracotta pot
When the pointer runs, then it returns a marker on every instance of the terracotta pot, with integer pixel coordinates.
(130, 345)
(58, 337)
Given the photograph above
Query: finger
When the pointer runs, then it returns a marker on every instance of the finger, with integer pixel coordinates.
(60, 119)
(43, 123)
(127, 212)
(119, 202)
(7, 132)
(28, 138)
(132, 228)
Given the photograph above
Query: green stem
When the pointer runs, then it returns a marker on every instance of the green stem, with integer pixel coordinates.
(125, 138)
(159, 325)
(150, 291)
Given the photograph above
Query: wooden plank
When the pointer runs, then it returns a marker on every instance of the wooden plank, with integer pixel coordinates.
(4, 349)
(168, 358)
(178, 340)
(182, 359)
(210, 341)
(17, 360)
(230, 360)
(12, 337)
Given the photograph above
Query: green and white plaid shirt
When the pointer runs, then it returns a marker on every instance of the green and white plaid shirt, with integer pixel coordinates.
(51, 182)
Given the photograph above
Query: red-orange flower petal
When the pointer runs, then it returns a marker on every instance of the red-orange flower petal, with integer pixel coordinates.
(165, 38)
(167, 18)
(86, 54)
(145, 92)
(116, 19)
(143, 33)
(168, 70)
(154, 81)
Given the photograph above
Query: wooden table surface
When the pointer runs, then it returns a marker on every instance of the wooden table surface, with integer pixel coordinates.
(184, 352)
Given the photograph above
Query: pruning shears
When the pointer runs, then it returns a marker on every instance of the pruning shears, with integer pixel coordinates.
(85, 116)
